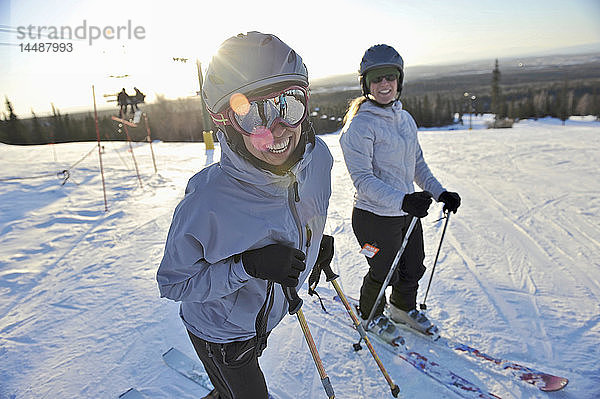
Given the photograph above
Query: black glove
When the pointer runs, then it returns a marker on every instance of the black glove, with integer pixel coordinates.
(325, 251)
(417, 204)
(323, 260)
(451, 201)
(275, 262)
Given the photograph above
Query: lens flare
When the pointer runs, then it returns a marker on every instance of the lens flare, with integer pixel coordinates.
(261, 138)
(239, 104)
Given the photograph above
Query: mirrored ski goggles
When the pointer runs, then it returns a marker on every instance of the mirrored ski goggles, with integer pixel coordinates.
(253, 115)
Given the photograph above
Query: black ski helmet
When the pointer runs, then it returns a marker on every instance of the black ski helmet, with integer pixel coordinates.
(377, 56)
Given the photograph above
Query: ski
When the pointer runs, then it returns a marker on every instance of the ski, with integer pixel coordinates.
(190, 368)
(439, 373)
(132, 393)
(187, 367)
(123, 121)
(436, 371)
(543, 381)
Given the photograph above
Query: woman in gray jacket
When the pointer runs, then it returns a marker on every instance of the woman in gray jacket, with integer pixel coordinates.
(252, 223)
(384, 158)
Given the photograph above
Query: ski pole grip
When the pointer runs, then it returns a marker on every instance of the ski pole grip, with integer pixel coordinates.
(329, 274)
(294, 301)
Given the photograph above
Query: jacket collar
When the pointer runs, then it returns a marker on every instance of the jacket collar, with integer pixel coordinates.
(386, 112)
(240, 169)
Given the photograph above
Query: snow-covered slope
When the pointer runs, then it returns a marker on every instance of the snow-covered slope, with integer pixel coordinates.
(518, 276)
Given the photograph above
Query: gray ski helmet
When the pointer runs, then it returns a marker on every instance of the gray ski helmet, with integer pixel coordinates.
(380, 55)
(248, 62)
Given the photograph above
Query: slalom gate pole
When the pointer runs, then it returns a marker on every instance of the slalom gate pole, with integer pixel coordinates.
(424, 305)
(395, 263)
(332, 278)
(137, 171)
(295, 307)
(99, 149)
(149, 140)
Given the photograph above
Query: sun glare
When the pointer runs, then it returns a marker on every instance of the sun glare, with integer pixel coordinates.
(179, 33)
(239, 104)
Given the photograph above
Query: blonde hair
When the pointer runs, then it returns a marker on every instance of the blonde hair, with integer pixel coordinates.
(353, 109)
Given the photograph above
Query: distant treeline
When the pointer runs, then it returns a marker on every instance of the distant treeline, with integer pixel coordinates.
(559, 98)
(432, 102)
(168, 120)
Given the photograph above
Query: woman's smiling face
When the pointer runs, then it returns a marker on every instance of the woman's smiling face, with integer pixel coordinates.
(385, 91)
(274, 146)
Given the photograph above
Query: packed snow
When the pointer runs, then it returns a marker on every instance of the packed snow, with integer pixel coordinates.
(518, 275)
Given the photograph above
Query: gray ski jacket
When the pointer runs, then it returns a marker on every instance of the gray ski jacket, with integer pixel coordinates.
(228, 208)
(384, 158)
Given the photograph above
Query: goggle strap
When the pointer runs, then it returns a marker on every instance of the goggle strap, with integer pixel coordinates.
(219, 118)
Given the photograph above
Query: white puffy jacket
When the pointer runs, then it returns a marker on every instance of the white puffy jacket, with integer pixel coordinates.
(384, 158)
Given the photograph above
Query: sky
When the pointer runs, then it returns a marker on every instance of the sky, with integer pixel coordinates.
(331, 37)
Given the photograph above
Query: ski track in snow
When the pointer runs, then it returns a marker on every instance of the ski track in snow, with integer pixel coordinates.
(541, 244)
(518, 275)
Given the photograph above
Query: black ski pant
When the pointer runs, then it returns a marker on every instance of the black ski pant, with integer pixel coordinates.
(233, 368)
(387, 234)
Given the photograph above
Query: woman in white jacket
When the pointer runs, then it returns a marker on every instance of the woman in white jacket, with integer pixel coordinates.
(384, 158)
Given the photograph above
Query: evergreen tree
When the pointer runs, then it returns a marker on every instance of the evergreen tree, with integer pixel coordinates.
(541, 104)
(107, 128)
(419, 111)
(89, 126)
(528, 107)
(58, 128)
(513, 108)
(563, 103)
(14, 131)
(68, 129)
(3, 129)
(426, 115)
(496, 107)
(37, 136)
(450, 109)
(596, 104)
(584, 105)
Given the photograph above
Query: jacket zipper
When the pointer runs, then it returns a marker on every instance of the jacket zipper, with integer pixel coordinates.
(293, 197)
(294, 186)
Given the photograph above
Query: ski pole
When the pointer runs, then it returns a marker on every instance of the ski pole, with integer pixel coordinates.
(395, 263)
(331, 277)
(423, 305)
(295, 305)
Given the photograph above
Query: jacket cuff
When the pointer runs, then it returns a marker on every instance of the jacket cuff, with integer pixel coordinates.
(238, 269)
(436, 195)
